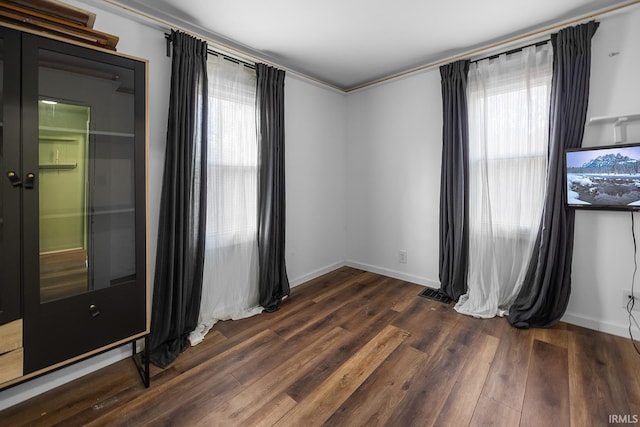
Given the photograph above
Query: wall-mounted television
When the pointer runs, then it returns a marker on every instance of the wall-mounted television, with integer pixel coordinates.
(606, 177)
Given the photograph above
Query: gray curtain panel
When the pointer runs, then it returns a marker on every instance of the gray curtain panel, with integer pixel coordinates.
(272, 273)
(181, 235)
(454, 181)
(545, 292)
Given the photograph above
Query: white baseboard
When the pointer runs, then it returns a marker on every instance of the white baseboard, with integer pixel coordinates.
(33, 387)
(612, 328)
(395, 274)
(316, 273)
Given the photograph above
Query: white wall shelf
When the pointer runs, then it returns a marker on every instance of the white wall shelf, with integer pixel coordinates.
(617, 122)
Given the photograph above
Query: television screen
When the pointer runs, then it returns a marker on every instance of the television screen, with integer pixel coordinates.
(604, 177)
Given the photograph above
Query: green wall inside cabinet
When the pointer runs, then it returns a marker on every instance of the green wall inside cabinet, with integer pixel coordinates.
(63, 175)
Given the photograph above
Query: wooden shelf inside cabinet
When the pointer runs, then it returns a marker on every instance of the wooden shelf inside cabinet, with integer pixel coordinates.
(59, 166)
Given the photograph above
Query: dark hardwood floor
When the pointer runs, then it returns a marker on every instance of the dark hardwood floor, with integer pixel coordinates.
(354, 348)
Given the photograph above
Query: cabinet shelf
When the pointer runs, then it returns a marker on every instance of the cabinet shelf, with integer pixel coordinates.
(87, 131)
(59, 166)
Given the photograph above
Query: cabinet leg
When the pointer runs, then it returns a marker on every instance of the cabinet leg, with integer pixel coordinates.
(142, 358)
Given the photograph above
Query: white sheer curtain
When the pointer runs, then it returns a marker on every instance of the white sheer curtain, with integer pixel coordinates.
(508, 107)
(230, 282)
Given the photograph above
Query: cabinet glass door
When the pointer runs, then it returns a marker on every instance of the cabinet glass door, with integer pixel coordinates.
(63, 143)
(10, 186)
(87, 167)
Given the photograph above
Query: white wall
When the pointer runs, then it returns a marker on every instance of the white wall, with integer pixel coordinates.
(603, 251)
(393, 177)
(315, 132)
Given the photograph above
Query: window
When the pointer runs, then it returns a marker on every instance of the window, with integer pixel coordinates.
(508, 109)
(508, 102)
(232, 153)
(230, 279)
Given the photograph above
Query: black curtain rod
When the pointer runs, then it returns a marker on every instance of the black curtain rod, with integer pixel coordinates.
(509, 52)
(167, 37)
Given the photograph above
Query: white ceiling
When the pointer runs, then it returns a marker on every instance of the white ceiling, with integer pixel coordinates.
(348, 43)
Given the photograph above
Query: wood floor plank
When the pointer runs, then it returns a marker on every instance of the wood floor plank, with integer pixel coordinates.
(595, 386)
(458, 409)
(257, 394)
(421, 315)
(366, 325)
(213, 344)
(126, 392)
(278, 408)
(629, 368)
(197, 399)
(301, 298)
(54, 407)
(163, 399)
(556, 335)
(309, 382)
(294, 348)
(370, 305)
(287, 328)
(319, 405)
(495, 326)
(490, 413)
(547, 390)
(263, 321)
(305, 329)
(341, 315)
(427, 395)
(374, 401)
(326, 283)
(103, 406)
(362, 279)
(405, 296)
(507, 377)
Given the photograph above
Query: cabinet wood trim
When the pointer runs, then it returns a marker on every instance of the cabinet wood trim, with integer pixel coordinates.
(29, 18)
(10, 337)
(50, 36)
(11, 365)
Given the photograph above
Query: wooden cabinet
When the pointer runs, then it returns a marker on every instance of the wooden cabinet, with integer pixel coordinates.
(73, 229)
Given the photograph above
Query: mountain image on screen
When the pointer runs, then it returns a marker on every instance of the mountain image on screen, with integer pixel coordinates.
(609, 180)
(610, 164)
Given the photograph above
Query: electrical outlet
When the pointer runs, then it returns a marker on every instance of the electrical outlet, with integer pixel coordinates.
(626, 296)
(402, 257)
